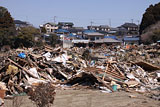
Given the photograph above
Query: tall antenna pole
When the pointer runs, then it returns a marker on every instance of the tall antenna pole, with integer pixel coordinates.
(138, 27)
(91, 24)
(54, 19)
(138, 22)
(132, 20)
(110, 22)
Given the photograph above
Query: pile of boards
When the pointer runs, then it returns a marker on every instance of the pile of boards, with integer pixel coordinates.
(76, 68)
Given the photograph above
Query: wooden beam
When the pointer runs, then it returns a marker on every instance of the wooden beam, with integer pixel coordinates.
(24, 69)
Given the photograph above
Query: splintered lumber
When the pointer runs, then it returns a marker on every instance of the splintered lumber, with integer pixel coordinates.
(36, 56)
(114, 75)
(147, 66)
(48, 47)
(105, 72)
(101, 81)
(114, 72)
(27, 71)
(63, 74)
(118, 70)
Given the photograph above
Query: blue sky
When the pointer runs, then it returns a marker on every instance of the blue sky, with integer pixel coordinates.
(80, 12)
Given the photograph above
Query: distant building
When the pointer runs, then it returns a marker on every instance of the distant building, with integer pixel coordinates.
(50, 27)
(65, 25)
(76, 30)
(104, 29)
(60, 32)
(93, 36)
(112, 37)
(101, 28)
(19, 24)
(129, 28)
(131, 39)
(107, 41)
(113, 31)
(122, 31)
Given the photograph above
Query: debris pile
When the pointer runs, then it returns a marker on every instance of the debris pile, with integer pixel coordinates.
(105, 68)
(42, 95)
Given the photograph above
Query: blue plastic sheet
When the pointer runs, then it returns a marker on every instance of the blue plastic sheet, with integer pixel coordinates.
(22, 55)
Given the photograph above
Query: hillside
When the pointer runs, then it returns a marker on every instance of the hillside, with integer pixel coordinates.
(151, 34)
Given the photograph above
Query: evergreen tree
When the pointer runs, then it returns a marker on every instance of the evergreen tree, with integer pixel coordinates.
(151, 16)
(7, 27)
(25, 37)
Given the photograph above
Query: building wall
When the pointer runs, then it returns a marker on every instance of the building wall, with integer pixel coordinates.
(131, 42)
(67, 44)
(49, 28)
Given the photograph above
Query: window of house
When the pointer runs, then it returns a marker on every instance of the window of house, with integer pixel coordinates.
(48, 30)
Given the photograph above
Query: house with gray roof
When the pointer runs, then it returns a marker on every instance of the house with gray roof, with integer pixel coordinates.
(93, 36)
(65, 25)
(19, 24)
(102, 28)
(131, 28)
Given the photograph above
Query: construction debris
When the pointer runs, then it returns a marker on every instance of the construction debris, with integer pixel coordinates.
(107, 68)
(42, 95)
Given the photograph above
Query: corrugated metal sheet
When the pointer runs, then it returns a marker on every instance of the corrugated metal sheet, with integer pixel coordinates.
(80, 41)
(107, 40)
(131, 39)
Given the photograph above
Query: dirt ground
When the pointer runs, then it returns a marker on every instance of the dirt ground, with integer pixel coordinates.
(91, 98)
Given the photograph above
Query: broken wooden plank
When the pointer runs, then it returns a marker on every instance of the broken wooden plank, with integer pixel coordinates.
(101, 81)
(27, 71)
(105, 72)
(147, 66)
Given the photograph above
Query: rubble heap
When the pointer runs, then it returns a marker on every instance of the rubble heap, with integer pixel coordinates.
(105, 68)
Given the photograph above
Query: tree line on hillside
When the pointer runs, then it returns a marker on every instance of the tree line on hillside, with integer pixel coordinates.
(7, 27)
(151, 16)
(149, 27)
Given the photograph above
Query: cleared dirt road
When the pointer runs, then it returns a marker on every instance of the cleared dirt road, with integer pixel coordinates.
(90, 98)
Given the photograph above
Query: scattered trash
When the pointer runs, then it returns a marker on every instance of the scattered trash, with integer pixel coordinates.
(42, 94)
(106, 68)
(132, 96)
(1, 102)
(114, 87)
(12, 70)
(22, 55)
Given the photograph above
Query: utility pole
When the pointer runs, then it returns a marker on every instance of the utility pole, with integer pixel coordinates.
(138, 27)
(91, 24)
(132, 20)
(138, 22)
(55, 19)
(109, 22)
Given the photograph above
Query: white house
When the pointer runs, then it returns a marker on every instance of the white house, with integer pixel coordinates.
(50, 27)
